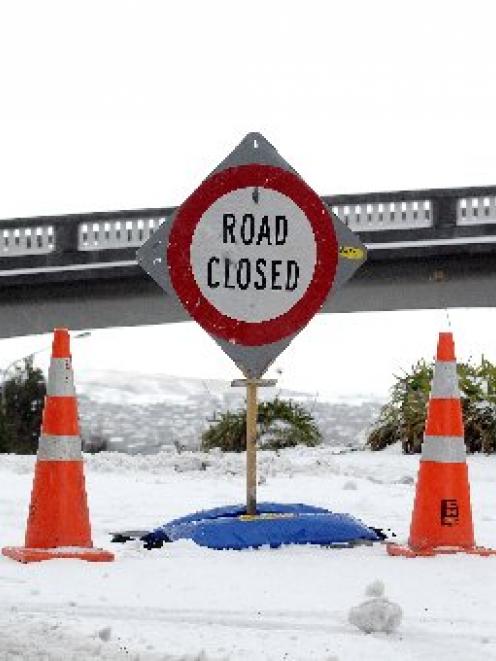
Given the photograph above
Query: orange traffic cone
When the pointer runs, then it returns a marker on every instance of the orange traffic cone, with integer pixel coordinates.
(58, 523)
(442, 516)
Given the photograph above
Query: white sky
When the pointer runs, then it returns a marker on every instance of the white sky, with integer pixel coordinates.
(117, 105)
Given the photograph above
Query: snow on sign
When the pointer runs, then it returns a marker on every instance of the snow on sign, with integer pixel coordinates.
(252, 254)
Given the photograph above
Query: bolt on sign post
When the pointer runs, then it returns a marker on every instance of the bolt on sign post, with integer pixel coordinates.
(252, 255)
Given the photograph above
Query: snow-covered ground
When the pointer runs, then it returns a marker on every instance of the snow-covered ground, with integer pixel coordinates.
(187, 602)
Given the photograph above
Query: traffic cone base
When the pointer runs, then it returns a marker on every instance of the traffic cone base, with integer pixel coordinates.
(408, 552)
(25, 555)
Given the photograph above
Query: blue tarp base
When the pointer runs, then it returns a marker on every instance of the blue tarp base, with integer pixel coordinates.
(274, 524)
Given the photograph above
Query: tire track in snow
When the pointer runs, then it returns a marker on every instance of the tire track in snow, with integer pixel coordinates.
(260, 620)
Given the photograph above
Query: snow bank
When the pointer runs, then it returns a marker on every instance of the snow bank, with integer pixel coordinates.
(386, 467)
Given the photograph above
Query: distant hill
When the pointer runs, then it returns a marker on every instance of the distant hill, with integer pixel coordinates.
(141, 412)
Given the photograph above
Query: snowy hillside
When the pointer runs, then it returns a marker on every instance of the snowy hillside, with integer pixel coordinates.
(142, 413)
(185, 602)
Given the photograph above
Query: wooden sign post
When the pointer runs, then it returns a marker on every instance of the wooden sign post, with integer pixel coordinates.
(252, 386)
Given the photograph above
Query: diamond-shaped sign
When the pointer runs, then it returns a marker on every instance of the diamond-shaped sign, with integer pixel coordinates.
(252, 254)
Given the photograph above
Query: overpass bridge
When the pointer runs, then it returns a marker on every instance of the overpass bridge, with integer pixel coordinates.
(426, 249)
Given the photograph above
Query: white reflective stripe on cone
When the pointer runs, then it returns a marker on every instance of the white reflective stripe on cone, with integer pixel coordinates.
(449, 449)
(445, 381)
(59, 448)
(60, 378)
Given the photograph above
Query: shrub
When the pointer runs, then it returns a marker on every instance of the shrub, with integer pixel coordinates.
(403, 417)
(21, 408)
(280, 424)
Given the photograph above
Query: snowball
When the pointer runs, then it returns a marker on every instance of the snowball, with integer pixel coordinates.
(376, 614)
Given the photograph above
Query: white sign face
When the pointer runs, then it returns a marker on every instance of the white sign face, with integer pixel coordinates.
(253, 254)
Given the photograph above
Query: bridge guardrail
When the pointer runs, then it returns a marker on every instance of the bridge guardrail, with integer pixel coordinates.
(436, 212)
(109, 235)
(475, 210)
(377, 216)
(15, 241)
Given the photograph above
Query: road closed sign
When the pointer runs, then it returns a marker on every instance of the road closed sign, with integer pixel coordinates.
(252, 254)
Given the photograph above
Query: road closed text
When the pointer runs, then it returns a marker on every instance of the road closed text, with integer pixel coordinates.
(258, 273)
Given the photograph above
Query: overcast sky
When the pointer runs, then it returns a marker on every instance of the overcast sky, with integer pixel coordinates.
(118, 105)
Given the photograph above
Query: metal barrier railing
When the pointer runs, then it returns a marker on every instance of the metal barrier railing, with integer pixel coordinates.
(109, 235)
(34, 240)
(476, 210)
(374, 216)
(363, 213)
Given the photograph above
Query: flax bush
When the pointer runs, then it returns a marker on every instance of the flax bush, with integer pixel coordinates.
(403, 417)
(280, 424)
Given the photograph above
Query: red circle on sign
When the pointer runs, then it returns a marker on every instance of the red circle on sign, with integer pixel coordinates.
(181, 237)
